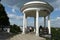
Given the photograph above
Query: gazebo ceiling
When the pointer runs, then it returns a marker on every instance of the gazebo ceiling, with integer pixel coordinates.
(32, 13)
(31, 7)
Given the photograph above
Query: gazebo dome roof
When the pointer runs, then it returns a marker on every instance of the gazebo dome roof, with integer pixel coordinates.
(30, 8)
(31, 2)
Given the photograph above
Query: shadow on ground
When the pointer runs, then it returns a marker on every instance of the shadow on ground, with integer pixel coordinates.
(6, 36)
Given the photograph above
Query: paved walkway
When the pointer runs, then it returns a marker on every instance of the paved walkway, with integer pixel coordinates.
(29, 36)
(4, 36)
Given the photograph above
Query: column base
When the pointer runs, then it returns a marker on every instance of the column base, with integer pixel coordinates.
(23, 33)
(46, 36)
(50, 35)
(34, 30)
(37, 34)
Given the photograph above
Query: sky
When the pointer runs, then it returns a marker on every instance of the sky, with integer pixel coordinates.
(12, 8)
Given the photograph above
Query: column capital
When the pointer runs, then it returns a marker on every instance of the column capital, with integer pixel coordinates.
(49, 17)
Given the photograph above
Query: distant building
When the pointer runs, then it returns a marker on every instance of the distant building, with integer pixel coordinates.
(5, 29)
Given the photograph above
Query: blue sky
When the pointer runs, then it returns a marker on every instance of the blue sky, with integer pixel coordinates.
(12, 8)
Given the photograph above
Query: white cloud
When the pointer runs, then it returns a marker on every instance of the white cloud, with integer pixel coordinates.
(56, 4)
(19, 3)
(15, 19)
(13, 16)
(58, 18)
(13, 10)
(55, 22)
(19, 17)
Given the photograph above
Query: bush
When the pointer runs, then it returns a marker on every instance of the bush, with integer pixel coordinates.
(56, 33)
(15, 29)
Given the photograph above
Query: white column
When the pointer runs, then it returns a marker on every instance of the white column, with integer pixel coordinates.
(26, 24)
(49, 28)
(24, 17)
(37, 24)
(44, 22)
(34, 24)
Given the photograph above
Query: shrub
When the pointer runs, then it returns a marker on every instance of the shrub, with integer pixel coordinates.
(56, 33)
(15, 29)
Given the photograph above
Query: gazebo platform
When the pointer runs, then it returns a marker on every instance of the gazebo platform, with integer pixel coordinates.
(29, 36)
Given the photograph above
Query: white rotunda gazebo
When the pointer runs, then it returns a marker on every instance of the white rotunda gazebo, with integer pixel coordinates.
(36, 9)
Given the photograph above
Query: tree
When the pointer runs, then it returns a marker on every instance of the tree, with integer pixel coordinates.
(55, 33)
(4, 20)
(15, 29)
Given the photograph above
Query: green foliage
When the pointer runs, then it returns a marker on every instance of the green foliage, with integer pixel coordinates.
(15, 29)
(4, 20)
(55, 33)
